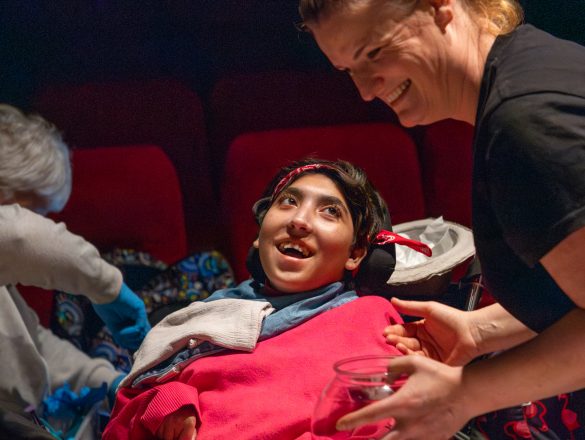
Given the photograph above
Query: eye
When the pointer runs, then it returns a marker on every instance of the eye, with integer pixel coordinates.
(333, 211)
(287, 200)
(374, 53)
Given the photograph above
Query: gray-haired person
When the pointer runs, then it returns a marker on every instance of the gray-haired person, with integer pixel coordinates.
(35, 178)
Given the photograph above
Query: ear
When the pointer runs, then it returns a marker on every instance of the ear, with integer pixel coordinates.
(355, 258)
(443, 13)
(256, 244)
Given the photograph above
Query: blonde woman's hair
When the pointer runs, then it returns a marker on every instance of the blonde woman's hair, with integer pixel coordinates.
(33, 159)
(501, 16)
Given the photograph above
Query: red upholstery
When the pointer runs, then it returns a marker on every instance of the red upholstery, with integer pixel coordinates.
(161, 112)
(446, 161)
(283, 99)
(126, 196)
(385, 151)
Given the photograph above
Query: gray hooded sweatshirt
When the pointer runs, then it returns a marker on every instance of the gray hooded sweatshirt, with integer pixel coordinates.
(39, 252)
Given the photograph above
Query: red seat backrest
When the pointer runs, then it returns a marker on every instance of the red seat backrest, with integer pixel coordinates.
(126, 197)
(385, 151)
(260, 101)
(163, 112)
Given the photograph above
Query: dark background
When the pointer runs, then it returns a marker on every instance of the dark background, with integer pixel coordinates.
(74, 41)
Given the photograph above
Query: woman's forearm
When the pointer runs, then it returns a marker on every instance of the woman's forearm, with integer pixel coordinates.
(495, 329)
(548, 364)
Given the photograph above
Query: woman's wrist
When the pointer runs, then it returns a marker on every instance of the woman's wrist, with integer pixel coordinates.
(483, 330)
(494, 329)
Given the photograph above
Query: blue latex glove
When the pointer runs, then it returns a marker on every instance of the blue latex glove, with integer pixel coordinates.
(126, 318)
(64, 410)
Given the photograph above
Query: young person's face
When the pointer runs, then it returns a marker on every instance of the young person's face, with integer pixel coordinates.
(306, 237)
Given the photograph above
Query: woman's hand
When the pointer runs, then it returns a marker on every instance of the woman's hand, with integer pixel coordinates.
(444, 333)
(180, 425)
(430, 405)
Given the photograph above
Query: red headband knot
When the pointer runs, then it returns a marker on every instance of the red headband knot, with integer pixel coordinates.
(387, 237)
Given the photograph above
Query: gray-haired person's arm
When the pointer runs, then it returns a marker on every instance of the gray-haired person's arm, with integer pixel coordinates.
(36, 251)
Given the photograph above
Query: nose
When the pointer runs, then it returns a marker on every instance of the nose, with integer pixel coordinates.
(300, 224)
(368, 86)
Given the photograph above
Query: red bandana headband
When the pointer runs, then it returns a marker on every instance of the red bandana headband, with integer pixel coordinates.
(383, 237)
(294, 173)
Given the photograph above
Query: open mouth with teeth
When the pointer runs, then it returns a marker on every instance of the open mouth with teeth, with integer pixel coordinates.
(295, 250)
(398, 91)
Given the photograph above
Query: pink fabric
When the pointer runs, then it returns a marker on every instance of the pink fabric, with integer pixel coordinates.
(385, 151)
(268, 394)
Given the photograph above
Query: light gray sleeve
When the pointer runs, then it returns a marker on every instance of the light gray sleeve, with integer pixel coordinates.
(66, 363)
(36, 251)
(36, 362)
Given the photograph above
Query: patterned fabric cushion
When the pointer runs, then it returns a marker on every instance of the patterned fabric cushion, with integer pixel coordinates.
(163, 289)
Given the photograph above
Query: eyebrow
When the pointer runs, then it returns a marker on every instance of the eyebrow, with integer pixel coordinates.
(323, 199)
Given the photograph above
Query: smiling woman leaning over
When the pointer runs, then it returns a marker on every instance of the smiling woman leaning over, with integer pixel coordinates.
(524, 92)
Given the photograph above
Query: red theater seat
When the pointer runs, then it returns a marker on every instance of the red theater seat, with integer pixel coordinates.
(385, 151)
(162, 112)
(126, 197)
(260, 101)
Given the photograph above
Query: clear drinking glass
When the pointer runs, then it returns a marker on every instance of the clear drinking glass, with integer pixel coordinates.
(358, 381)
